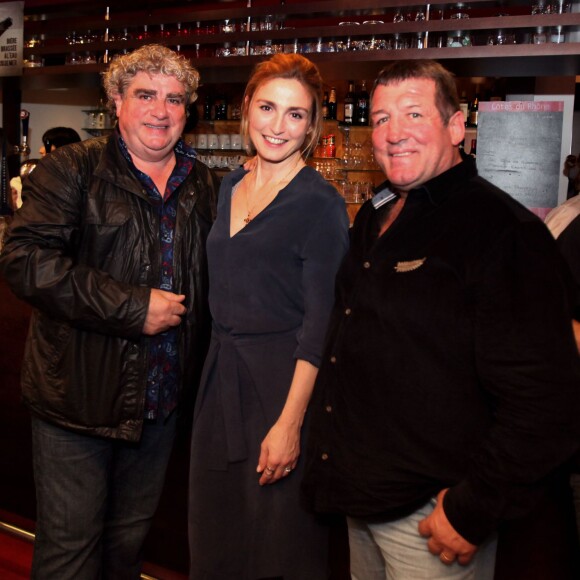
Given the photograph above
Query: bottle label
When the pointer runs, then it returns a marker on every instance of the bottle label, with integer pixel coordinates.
(348, 111)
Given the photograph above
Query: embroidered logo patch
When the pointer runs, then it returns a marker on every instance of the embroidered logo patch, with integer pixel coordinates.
(410, 265)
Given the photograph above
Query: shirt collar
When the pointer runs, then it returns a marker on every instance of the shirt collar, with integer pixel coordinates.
(435, 189)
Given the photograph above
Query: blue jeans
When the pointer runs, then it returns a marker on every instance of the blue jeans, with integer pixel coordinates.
(96, 499)
(396, 551)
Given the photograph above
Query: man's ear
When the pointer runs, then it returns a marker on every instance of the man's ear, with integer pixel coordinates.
(456, 127)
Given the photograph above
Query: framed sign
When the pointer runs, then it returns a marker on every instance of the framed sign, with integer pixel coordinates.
(11, 38)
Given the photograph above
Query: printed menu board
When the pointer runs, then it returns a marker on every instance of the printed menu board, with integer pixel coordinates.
(518, 149)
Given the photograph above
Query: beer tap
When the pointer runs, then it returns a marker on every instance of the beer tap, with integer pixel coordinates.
(23, 149)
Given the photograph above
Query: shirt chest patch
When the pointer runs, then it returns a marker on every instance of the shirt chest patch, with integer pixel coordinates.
(409, 265)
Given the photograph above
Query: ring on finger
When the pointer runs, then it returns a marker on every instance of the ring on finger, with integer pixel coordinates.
(270, 470)
(288, 469)
(446, 558)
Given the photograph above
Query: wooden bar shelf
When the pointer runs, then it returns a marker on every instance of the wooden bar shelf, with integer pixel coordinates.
(305, 23)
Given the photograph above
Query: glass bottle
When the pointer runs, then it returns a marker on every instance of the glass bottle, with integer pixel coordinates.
(362, 105)
(473, 150)
(207, 107)
(538, 7)
(464, 106)
(474, 112)
(325, 106)
(557, 34)
(349, 104)
(332, 104)
(221, 108)
(539, 36)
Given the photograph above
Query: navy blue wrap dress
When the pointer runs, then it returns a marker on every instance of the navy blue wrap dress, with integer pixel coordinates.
(271, 292)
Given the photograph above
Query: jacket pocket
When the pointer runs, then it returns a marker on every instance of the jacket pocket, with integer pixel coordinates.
(107, 213)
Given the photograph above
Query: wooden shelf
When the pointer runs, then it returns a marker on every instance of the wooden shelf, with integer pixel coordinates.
(309, 21)
(507, 60)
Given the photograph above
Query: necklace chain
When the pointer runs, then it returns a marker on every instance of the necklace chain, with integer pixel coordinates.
(269, 190)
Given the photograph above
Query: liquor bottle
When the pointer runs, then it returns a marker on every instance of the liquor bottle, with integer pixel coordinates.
(349, 104)
(362, 106)
(474, 112)
(464, 107)
(325, 106)
(207, 108)
(331, 146)
(473, 150)
(220, 108)
(332, 104)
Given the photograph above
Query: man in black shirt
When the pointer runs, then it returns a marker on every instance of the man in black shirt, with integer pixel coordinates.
(448, 394)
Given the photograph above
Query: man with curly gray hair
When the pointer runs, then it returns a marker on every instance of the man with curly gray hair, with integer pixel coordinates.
(151, 59)
(109, 249)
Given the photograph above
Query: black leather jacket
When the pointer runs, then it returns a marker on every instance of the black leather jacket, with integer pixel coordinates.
(84, 252)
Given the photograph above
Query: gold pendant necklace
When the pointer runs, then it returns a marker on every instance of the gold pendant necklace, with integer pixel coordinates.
(270, 189)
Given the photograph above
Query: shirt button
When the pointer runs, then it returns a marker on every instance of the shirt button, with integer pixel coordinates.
(324, 456)
(333, 359)
(328, 408)
(347, 311)
(366, 265)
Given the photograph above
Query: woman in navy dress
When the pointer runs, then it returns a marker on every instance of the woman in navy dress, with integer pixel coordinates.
(280, 234)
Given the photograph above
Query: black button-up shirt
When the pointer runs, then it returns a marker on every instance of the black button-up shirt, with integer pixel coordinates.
(450, 361)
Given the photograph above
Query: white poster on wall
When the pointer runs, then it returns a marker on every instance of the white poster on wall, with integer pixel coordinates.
(11, 38)
(519, 147)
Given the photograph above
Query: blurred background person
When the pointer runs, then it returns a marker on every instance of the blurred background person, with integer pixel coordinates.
(57, 137)
(51, 140)
(572, 172)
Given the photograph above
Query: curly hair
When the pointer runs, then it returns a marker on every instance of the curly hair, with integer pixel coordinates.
(151, 59)
(287, 66)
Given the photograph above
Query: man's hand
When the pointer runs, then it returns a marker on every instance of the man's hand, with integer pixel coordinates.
(444, 541)
(165, 310)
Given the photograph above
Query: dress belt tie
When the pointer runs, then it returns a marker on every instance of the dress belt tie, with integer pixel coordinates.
(229, 437)
(230, 396)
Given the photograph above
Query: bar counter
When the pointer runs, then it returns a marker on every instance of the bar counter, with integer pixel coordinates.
(542, 546)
